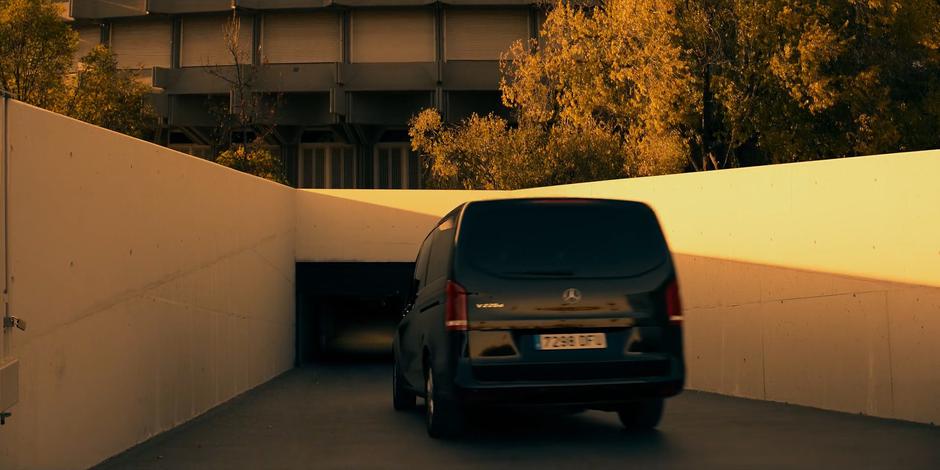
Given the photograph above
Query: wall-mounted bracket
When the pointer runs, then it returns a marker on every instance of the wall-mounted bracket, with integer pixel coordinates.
(11, 321)
(3, 417)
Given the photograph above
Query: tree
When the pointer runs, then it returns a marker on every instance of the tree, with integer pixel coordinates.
(615, 72)
(786, 80)
(253, 160)
(36, 49)
(37, 66)
(584, 112)
(652, 87)
(482, 152)
(99, 93)
(249, 111)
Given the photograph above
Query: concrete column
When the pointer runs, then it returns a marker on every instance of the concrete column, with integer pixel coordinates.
(256, 27)
(175, 42)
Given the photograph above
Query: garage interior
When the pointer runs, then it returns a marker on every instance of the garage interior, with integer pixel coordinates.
(348, 309)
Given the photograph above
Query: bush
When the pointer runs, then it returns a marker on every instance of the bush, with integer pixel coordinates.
(254, 160)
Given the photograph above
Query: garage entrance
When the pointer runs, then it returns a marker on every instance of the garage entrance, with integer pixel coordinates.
(348, 308)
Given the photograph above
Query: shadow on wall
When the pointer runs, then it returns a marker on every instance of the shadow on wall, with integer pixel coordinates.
(811, 338)
(371, 225)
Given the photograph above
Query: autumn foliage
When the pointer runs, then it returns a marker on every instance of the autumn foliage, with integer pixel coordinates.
(37, 66)
(648, 87)
(255, 160)
(103, 95)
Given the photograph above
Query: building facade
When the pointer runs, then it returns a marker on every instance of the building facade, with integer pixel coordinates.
(348, 74)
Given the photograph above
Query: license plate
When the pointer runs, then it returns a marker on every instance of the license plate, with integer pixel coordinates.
(571, 341)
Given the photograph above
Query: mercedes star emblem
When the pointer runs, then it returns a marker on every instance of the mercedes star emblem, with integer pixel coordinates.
(571, 296)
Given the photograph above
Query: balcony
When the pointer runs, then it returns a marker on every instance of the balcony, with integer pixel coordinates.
(392, 76)
(272, 77)
(471, 75)
(102, 9)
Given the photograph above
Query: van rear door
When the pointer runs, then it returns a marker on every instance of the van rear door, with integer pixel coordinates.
(533, 266)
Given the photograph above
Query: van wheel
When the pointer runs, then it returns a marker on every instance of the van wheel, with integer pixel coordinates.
(443, 416)
(402, 398)
(642, 414)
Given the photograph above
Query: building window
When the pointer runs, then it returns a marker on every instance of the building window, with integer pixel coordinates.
(396, 167)
(299, 37)
(141, 44)
(203, 41)
(400, 35)
(482, 34)
(326, 166)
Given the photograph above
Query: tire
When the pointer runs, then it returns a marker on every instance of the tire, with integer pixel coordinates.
(642, 415)
(443, 416)
(402, 398)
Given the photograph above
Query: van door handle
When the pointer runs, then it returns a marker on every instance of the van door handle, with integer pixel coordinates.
(431, 305)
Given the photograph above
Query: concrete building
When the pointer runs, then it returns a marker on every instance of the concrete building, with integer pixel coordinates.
(349, 73)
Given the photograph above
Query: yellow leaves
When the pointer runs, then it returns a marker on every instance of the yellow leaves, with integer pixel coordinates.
(36, 49)
(476, 154)
(483, 152)
(639, 87)
(803, 67)
(254, 160)
(605, 91)
(101, 94)
(657, 153)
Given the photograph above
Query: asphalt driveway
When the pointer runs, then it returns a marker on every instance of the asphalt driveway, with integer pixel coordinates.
(340, 416)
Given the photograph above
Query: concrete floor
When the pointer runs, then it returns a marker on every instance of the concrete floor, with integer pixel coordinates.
(340, 416)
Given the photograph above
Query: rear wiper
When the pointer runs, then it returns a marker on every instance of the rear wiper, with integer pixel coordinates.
(540, 273)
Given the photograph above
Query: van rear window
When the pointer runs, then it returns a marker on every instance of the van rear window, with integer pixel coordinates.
(549, 238)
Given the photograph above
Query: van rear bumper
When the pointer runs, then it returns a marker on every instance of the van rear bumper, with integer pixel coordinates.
(587, 394)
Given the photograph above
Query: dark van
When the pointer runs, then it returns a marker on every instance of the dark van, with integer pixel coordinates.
(542, 302)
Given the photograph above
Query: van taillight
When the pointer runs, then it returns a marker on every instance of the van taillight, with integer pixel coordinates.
(673, 303)
(455, 313)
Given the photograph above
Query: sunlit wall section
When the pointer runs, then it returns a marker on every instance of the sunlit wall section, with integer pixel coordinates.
(876, 217)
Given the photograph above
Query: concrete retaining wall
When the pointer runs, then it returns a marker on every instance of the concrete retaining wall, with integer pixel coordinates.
(155, 286)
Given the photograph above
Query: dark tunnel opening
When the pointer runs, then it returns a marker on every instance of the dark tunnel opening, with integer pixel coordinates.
(348, 310)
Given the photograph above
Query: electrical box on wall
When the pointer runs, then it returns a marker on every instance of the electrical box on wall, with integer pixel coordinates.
(9, 384)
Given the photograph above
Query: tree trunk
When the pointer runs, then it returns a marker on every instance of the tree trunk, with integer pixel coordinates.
(707, 105)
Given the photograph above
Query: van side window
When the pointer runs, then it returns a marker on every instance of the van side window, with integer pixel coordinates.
(441, 247)
(421, 264)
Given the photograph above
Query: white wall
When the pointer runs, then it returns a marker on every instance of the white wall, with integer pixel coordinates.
(155, 285)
